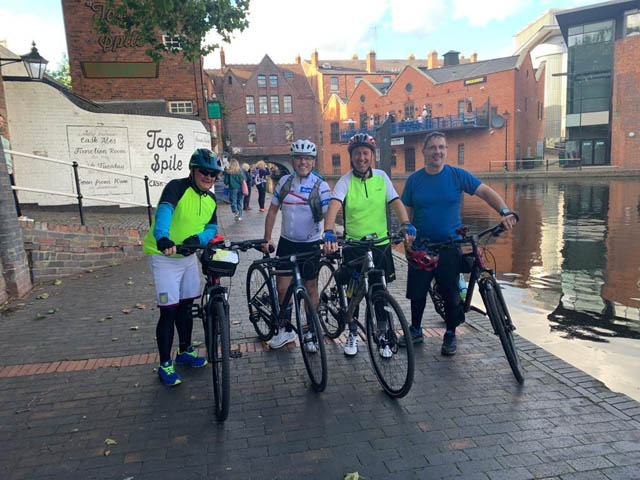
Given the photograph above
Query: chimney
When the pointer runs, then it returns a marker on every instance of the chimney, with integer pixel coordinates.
(461, 58)
(474, 57)
(451, 58)
(354, 56)
(432, 59)
(412, 57)
(298, 59)
(223, 63)
(314, 59)
(371, 61)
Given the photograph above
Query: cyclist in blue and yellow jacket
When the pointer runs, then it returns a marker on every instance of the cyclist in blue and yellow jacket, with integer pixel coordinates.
(186, 215)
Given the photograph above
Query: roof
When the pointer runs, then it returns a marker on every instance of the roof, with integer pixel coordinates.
(243, 71)
(592, 13)
(470, 70)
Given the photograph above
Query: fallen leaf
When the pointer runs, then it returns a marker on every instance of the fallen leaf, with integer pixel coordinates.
(108, 317)
(101, 320)
(141, 306)
(126, 311)
(130, 282)
(53, 310)
(110, 441)
(133, 327)
(42, 296)
(108, 452)
(236, 322)
(89, 270)
(137, 385)
(19, 304)
(40, 316)
(57, 282)
(114, 339)
(352, 476)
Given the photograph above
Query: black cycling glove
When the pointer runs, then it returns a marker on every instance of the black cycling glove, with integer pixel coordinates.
(164, 243)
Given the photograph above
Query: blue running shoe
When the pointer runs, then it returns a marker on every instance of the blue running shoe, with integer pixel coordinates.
(449, 344)
(168, 375)
(190, 358)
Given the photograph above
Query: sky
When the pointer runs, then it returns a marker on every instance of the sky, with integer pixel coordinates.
(336, 28)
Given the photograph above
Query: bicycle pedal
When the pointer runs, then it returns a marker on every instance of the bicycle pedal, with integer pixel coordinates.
(196, 311)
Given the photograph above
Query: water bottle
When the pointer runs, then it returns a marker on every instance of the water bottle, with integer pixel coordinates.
(463, 287)
(353, 282)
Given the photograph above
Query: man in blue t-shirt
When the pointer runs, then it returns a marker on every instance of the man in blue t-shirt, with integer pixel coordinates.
(433, 197)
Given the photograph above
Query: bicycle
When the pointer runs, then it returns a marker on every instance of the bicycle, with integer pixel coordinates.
(265, 311)
(219, 259)
(490, 291)
(384, 317)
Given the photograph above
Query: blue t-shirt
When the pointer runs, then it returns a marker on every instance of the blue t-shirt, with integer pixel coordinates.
(436, 201)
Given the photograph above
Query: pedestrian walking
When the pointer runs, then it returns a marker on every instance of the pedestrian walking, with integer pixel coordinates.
(233, 178)
(260, 179)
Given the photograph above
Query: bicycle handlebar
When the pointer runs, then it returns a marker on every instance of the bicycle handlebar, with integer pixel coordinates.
(242, 245)
(285, 258)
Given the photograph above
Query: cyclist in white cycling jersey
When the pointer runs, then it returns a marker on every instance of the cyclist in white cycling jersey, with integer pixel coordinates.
(303, 197)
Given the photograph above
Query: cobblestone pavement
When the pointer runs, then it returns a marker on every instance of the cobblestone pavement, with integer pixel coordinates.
(85, 373)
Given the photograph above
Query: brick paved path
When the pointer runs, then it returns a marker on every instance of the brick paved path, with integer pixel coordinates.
(85, 373)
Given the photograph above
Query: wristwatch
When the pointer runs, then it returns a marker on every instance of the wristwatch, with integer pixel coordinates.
(504, 211)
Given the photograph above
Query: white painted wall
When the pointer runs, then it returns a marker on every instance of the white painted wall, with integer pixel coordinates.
(44, 122)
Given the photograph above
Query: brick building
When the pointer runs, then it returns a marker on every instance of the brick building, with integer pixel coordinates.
(114, 68)
(603, 75)
(266, 107)
(491, 111)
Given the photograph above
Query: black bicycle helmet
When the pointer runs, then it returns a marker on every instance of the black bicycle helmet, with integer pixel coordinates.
(204, 158)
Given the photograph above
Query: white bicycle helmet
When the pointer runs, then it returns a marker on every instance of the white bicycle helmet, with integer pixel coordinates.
(303, 147)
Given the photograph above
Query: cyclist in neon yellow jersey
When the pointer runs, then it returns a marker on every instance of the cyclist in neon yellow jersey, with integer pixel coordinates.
(363, 194)
(186, 215)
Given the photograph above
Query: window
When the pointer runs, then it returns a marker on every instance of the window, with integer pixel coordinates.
(288, 132)
(251, 107)
(262, 81)
(275, 104)
(632, 23)
(335, 163)
(526, 103)
(408, 87)
(409, 111)
(333, 84)
(386, 79)
(460, 108)
(287, 104)
(540, 110)
(335, 132)
(230, 80)
(171, 42)
(273, 80)
(363, 99)
(181, 107)
(409, 159)
(363, 120)
(262, 102)
(288, 74)
(394, 157)
(252, 133)
(461, 154)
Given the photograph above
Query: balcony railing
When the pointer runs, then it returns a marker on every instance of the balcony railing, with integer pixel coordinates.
(447, 122)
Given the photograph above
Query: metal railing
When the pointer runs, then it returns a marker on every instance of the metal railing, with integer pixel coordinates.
(78, 193)
(533, 164)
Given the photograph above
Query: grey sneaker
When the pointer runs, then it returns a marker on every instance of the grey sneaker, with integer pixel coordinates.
(449, 346)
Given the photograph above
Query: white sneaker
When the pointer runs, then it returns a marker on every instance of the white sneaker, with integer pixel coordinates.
(309, 345)
(351, 347)
(385, 352)
(282, 338)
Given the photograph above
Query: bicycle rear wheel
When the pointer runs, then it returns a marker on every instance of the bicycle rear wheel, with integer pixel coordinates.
(219, 350)
(311, 340)
(259, 301)
(329, 312)
(385, 321)
(498, 315)
(436, 298)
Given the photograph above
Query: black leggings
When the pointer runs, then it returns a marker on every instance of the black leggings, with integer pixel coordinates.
(262, 189)
(180, 317)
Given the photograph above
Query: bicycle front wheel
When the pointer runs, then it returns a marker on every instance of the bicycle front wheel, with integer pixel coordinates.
(311, 340)
(218, 329)
(329, 311)
(259, 301)
(393, 366)
(497, 312)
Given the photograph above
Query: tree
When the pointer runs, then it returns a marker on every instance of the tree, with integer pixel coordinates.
(188, 20)
(61, 75)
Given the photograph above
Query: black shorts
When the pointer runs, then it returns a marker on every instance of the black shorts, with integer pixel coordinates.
(308, 266)
(382, 259)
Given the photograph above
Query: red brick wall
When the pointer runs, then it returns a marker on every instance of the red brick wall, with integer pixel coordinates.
(625, 116)
(177, 78)
(58, 250)
(480, 146)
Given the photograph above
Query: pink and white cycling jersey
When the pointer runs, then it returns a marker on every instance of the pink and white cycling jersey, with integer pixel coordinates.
(297, 219)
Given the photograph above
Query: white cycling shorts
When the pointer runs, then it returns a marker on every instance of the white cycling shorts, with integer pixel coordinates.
(176, 278)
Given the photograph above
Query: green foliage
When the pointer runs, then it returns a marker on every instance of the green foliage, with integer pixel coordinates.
(190, 20)
(61, 75)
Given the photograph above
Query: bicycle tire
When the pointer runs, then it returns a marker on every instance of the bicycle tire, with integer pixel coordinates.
(438, 301)
(496, 310)
(220, 349)
(259, 302)
(307, 321)
(402, 360)
(329, 310)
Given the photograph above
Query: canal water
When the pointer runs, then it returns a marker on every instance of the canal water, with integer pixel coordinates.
(571, 270)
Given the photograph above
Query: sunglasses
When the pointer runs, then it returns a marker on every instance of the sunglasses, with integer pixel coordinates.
(207, 173)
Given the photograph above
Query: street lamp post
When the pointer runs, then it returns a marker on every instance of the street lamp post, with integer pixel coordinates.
(34, 63)
(505, 114)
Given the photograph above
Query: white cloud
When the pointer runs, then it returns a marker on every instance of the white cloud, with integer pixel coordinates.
(416, 17)
(20, 29)
(282, 29)
(481, 13)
